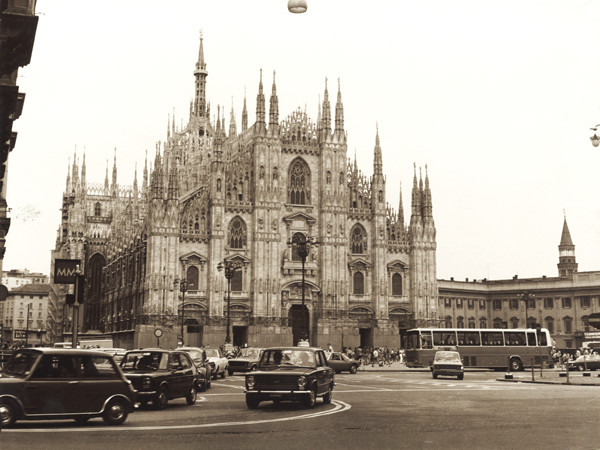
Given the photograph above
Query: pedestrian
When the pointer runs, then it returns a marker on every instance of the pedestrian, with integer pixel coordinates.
(375, 355)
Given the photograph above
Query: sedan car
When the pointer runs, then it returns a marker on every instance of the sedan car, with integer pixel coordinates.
(592, 362)
(199, 358)
(217, 361)
(340, 362)
(290, 373)
(49, 383)
(447, 363)
(246, 361)
(161, 375)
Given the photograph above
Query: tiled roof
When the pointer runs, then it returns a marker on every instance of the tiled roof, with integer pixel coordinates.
(32, 288)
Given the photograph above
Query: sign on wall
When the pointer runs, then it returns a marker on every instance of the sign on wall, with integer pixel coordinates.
(65, 270)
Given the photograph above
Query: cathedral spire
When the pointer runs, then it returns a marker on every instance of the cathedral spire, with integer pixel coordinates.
(427, 205)
(145, 175)
(200, 75)
(68, 186)
(232, 125)
(274, 106)
(326, 110)
(416, 195)
(401, 209)
(83, 171)
(377, 158)
(106, 186)
(339, 111)
(244, 114)
(75, 171)
(260, 103)
(114, 175)
(135, 183)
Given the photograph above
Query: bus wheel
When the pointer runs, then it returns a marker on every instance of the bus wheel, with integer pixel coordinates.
(516, 365)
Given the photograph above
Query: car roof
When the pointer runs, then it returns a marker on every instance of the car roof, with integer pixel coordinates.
(294, 348)
(63, 351)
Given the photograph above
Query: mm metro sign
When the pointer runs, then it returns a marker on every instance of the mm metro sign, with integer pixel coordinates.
(65, 270)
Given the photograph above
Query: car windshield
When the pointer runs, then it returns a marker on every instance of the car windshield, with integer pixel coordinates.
(144, 361)
(447, 356)
(212, 353)
(250, 353)
(287, 357)
(20, 364)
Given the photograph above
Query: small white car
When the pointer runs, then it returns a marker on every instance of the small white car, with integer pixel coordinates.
(217, 361)
(447, 363)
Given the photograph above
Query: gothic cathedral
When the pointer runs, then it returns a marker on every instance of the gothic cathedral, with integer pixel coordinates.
(312, 247)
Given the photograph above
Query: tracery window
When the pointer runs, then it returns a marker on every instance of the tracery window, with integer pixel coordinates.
(236, 281)
(358, 240)
(192, 278)
(237, 233)
(97, 209)
(299, 184)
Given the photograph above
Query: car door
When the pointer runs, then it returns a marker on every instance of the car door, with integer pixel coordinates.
(53, 386)
(176, 378)
(334, 361)
(324, 372)
(99, 381)
(189, 372)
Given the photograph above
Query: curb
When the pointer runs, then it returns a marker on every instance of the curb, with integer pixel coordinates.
(516, 380)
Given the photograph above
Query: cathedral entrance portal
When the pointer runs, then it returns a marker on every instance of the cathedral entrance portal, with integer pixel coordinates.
(195, 334)
(366, 337)
(240, 336)
(298, 319)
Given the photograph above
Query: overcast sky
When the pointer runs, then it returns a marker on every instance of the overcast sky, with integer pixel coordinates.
(496, 98)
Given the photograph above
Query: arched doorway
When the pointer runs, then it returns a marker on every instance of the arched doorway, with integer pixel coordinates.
(298, 317)
(403, 318)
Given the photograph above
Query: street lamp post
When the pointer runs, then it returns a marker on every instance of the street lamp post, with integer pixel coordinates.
(183, 290)
(27, 323)
(525, 297)
(230, 268)
(303, 244)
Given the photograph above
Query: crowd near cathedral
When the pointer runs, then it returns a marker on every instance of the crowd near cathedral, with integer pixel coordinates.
(314, 249)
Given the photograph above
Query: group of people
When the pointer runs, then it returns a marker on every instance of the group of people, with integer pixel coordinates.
(563, 357)
(375, 355)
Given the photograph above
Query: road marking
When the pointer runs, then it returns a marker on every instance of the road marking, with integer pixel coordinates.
(338, 407)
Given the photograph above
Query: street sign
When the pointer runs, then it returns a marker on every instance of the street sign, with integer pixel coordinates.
(19, 334)
(65, 270)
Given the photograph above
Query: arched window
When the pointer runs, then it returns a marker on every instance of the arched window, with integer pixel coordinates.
(550, 324)
(358, 240)
(328, 179)
(341, 178)
(497, 323)
(396, 284)
(236, 281)
(297, 237)
(460, 322)
(192, 278)
(483, 322)
(237, 233)
(471, 322)
(299, 183)
(514, 322)
(359, 283)
(97, 209)
(448, 322)
(568, 325)
(531, 321)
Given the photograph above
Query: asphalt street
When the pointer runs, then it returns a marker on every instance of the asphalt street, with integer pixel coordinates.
(371, 409)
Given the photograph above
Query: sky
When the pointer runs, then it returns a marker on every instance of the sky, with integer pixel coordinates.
(496, 99)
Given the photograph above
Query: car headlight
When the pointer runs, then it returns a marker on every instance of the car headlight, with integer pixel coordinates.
(146, 382)
(301, 382)
(250, 382)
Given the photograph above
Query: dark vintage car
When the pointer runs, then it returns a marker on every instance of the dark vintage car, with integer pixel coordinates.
(340, 362)
(591, 362)
(246, 361)
(447, 363)
(161, 375)
(290, 373)
(199, 358)
(50, 383)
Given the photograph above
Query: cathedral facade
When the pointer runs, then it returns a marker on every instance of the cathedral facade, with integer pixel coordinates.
(246, 197)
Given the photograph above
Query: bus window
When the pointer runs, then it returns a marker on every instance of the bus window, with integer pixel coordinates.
(491, 338)
(531, 339)
(412, 339)
(426, 340)
(468, 338)
(543, 339)
(514, 337)
(444, 338)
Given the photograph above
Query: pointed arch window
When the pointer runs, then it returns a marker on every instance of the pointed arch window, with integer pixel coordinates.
(192, 276)
(299, 184)
(396, 284)
(358, 240)
(97, 209)
(237, 233)
(358, 280)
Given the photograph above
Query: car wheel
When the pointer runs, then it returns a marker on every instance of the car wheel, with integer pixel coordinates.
(353, 368)
(82, 420)
(115, 412)
(327, 397)
(252, 402)
(230, 372)
(8, 413)
(460, 377)
(191, 397)
(311, 398)
(161, 400)
(208, 383)
(224, 373)
(516, 365)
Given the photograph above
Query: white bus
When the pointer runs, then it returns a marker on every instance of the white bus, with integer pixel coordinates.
(481, 347)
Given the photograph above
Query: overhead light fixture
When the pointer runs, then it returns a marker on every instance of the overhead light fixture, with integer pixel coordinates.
(297, 6)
